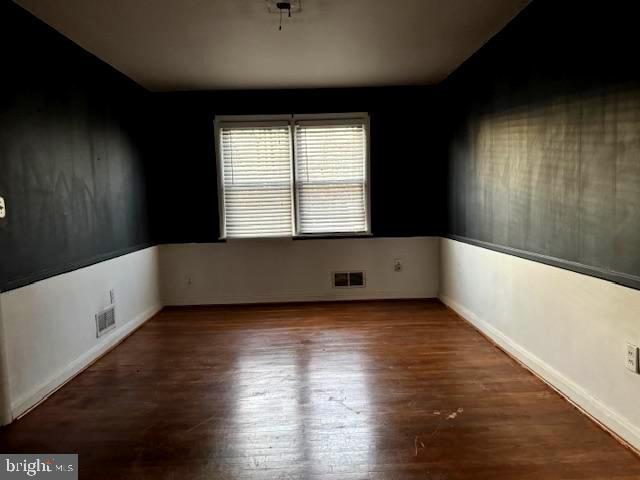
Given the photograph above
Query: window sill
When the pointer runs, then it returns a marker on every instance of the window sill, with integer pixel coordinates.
(309, 236)
(253, 239)
(320, 236)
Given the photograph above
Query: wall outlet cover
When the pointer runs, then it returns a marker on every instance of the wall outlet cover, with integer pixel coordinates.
(3, 210)
(631, 358)
(397, 265)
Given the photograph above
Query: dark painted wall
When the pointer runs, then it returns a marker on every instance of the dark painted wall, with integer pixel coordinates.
(72, 165)
(532, 147)
(407, 188)
(544, 157)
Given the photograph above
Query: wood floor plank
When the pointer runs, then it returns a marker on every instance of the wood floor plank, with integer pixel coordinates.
(362, 390)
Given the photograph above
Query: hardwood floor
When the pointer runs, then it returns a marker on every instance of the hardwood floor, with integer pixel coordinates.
(371, 390)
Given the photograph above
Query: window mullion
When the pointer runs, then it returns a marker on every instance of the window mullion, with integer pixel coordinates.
(294, 180)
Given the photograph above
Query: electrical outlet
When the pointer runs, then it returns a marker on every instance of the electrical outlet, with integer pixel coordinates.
(631, 358)
(112, 296)
(189, 280)
(3, 209)
(397, 265)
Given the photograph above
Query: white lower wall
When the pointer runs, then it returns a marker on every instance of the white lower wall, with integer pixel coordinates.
(49, 326)
(5, 400)
(282, 270)
(569, 328)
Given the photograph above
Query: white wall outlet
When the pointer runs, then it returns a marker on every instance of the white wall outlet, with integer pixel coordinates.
(397, 265)
(189, 280)
(3, 209)
(112, 296)
(631, 358)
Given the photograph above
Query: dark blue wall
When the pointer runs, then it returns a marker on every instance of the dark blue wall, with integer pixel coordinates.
(72, 159)
(544, 151)
(406, 165)
(532, 147)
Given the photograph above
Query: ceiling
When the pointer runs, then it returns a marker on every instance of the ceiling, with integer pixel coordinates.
(235, 44)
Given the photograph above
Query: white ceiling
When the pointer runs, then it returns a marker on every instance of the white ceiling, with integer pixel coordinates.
(235, 44)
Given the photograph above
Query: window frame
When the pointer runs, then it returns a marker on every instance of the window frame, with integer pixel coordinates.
(221, 121)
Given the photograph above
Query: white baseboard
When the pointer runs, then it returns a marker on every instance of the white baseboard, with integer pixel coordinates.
(39, 394)
(307, 297)
(609, 418)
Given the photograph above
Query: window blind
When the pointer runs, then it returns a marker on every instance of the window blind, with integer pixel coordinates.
(256, 171)
(330, 167)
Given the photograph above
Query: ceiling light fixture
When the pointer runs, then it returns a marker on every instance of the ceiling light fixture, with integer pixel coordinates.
(282, 6)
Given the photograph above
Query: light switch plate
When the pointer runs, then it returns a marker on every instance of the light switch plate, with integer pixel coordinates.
(3, 210)
(631, 358)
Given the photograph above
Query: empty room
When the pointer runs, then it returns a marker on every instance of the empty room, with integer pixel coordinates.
(320, 239)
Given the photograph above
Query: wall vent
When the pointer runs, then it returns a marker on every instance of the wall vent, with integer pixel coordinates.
(105, 320)
(348, 279)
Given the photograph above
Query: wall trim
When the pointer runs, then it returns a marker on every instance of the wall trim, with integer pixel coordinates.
(39, 394)
(54, 272)
(308, 297)
(624, 279)
(609, 419)
(435, 234)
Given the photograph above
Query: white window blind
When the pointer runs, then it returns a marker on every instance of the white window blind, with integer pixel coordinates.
(256, 181)
(331, 177)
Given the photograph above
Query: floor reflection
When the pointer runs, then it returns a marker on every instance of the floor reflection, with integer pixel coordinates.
(291, 410)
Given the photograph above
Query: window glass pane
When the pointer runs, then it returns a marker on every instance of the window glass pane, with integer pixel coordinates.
(256, 180)
(331, 178)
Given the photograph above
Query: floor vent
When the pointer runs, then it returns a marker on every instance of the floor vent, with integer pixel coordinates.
(348, 279)
(105, 320)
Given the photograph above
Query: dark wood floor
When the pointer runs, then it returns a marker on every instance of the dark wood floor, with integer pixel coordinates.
(374, 390)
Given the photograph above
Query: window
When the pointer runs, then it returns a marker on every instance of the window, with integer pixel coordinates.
(256, 178)
(295, 175)
(330, 177)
